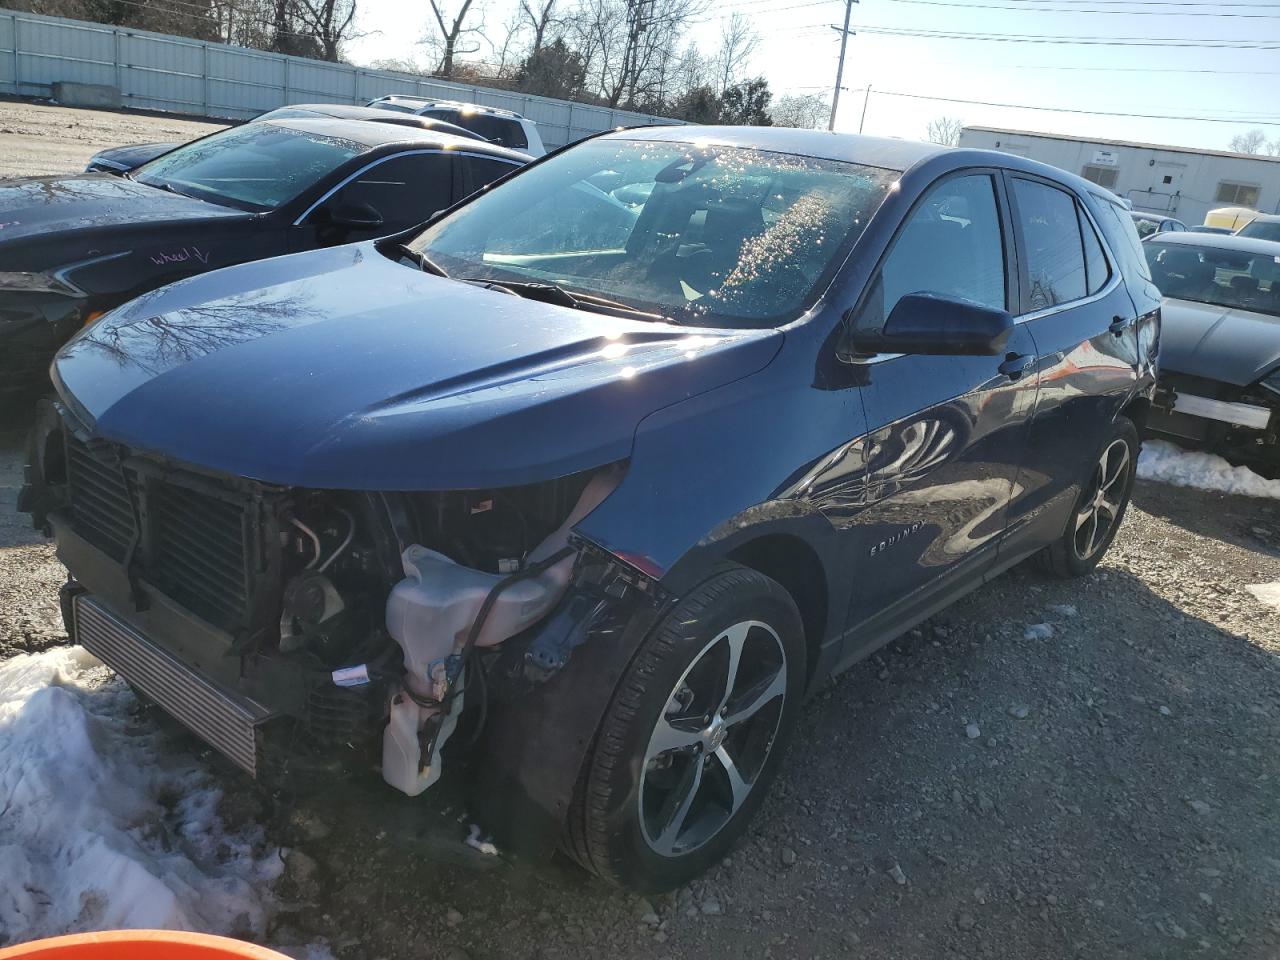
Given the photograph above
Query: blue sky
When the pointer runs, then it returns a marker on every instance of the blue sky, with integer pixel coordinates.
(798, 53)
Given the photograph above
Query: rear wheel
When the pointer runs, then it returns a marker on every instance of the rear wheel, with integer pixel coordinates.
(1098, 511)
(694, 735)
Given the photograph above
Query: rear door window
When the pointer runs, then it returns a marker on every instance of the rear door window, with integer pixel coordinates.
(951, 244)
(1097, 272)
(404, 190)
(481, 171)
(1054, 250)
(1123, 235)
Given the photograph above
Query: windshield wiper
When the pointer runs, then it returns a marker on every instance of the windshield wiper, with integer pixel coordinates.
(421, 260)
(558, 295)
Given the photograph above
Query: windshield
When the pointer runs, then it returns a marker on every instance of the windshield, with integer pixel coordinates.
(1262, 229)
(1226, 278)
(257, 166)
(702, 235)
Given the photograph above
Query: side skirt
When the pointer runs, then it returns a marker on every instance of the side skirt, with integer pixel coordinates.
(869, 636)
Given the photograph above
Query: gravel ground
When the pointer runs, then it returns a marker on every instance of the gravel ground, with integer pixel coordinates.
(39, 138)
(1046, 770)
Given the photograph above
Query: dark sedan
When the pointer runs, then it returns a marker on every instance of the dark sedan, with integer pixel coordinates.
(72, 247)
(1220, 350)
(122, 159)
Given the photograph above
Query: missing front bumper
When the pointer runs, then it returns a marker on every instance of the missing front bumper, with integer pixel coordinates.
(229, 723)
(1237, 414)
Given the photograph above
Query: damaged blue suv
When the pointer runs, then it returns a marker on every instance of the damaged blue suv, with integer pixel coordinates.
(576, 491)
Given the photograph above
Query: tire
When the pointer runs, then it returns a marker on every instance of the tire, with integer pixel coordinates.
(1080, 548)
(627, 823)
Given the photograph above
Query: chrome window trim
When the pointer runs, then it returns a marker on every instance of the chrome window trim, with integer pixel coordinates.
(1072, 304)
(395, 156)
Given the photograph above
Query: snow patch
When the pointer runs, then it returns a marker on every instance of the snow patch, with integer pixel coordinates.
(1169, 463)
(102, 827)
(1038, 631)
(474, 839)
(1268, 593)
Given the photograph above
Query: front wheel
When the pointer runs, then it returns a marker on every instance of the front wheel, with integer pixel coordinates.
(694, 735)
(1098, 511)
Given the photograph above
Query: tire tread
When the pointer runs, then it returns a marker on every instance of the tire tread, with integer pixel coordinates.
(587, 835)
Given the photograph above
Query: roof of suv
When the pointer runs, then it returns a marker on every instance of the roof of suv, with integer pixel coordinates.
(849, 147)
(423, 103)
(886, 152)
(344, 111)
(373, 134)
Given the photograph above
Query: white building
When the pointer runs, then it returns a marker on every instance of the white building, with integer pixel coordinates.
(1177, 181)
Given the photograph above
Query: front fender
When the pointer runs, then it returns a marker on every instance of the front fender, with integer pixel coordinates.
(538, 734)
(38, 314)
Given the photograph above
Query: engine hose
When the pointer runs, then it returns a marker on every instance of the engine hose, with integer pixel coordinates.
(533, 570)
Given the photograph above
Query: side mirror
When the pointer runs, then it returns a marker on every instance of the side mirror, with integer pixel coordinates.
(929, 324)
(352, 216)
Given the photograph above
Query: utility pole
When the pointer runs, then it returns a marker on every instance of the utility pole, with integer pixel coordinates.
(865, 97)
(844, 41)
(636, 26)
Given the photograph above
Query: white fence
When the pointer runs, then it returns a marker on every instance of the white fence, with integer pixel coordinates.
(154, 71)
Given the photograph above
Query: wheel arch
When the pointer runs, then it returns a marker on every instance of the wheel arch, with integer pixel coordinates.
(796, 566)
(1137, 411)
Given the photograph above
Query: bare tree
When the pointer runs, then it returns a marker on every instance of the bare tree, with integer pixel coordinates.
(738, 41)
(328, 21)
(540, 15)
(451, 30)
(402, 65)
(198, 19)
(808, 112)
(631, 47)
(512, 50)
(690, 71)
(945, 130)
(1252, 142)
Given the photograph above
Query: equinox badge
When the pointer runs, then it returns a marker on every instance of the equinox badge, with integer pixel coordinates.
(896, 538)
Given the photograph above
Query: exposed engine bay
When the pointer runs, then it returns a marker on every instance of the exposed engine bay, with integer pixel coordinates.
(358, 624)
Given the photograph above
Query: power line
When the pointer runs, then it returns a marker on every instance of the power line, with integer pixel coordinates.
(1070, 40)
(1158, 3)
(1274, 122)
(1044, 66)
(726, 12)
(1021, 8)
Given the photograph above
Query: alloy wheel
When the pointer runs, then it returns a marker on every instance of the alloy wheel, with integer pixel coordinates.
(1103, 500)
(712, 739)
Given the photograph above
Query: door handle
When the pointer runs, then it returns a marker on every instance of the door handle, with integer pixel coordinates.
(1016, 364)
(1120, 324)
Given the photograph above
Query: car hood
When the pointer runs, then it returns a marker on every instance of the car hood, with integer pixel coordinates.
(39, 206)
(343, 369)
(1204, 340)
